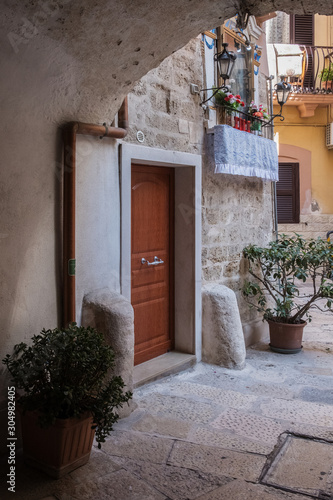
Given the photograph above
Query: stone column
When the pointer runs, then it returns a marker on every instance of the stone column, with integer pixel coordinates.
(111, 314)
(222, 334)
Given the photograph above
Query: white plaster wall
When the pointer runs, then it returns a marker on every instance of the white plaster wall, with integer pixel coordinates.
(41, 89)
(97, 217)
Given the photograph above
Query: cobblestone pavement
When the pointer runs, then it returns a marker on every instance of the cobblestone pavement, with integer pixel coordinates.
(262, 433)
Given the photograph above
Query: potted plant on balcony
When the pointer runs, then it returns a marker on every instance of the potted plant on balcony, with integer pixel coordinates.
(326, 75)
(227, 104)
(278, 271)
(67, 395)
(258, 113)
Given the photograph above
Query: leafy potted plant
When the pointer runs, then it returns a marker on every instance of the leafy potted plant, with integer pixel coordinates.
(227, 104)
(326, 75)
(278, 271)
(258, 113)
(68, 395)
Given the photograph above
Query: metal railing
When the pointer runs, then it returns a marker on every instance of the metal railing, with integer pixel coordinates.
(317, 73)
(241, 120)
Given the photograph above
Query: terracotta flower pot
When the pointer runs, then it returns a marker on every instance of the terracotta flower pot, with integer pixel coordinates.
(286, 338)
(57, 449)
(224, 115)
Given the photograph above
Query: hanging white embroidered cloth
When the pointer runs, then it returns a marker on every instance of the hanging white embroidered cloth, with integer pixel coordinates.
(241, 153)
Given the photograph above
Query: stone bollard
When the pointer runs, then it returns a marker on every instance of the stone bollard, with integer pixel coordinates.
(222, 334)
(111, 314)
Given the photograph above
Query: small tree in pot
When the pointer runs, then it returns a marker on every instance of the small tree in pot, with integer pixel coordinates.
(68, 393)
(278, 271)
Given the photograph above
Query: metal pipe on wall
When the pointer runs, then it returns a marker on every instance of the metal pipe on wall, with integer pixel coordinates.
(276, 230)
(70, 132)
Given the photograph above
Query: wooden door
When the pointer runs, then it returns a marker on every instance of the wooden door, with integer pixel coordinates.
(152, 265)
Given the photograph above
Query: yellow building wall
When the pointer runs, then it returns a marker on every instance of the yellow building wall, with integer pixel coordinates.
(310, 134)
(323, 31)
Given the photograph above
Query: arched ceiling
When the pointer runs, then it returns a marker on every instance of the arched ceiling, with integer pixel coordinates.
(112, 43)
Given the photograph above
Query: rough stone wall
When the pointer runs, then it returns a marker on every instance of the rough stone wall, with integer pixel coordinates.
(310, 226)
(162, 107)
(278, 29)
(263, 91)
(113, 44)
(237, 211)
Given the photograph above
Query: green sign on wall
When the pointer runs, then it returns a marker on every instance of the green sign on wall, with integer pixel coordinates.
(71, 267)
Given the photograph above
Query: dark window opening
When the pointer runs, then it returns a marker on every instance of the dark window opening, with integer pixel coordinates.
(302, 33)
(287, 193)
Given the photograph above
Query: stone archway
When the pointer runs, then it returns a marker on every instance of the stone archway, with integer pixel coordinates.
(108, 46)
(63, 60)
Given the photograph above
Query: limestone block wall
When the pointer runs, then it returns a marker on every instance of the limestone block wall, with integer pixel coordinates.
(277, 29)
(310, 226)
(237, 211)
(162, 107)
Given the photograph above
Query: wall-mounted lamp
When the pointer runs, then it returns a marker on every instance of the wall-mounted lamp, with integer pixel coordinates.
(242, 19)
(248, 45)
(238, 46)
(282, 90)
(225, 61)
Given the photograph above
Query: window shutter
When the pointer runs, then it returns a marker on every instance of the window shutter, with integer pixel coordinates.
(287, 191)
(302, 33)
(302, 29)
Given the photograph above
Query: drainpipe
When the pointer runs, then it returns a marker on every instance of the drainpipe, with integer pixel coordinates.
(70, 132)
(276, 230)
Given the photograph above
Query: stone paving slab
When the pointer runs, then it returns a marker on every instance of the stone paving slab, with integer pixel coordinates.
(217, 461)
(265, 430)
(220, 396)
(210, 433)
(312, 431)
(179, 408)
(241, 490)
(316, 370)
(225, 440)
(133, 445)
(162, 426)
(303, 466)
(32, 484)
(316, 395)
(119, 485)
(271, 390)
(299, 411)
(177, 483)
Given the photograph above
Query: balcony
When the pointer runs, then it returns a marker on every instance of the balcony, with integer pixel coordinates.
(246, 122)
(310, 72)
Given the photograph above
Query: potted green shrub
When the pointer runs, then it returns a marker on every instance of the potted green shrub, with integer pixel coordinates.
(226, 105)
(278, 271)
(326, 75)
(68, 394)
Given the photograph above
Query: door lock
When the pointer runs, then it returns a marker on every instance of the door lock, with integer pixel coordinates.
(156, 261)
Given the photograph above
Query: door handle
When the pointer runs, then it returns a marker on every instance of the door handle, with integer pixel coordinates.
(156, 262)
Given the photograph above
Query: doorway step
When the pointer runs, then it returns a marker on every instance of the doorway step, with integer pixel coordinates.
(162, 366)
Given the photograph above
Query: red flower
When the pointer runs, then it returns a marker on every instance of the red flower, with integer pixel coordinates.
(242, 104)
(237, 96)
(238, 101)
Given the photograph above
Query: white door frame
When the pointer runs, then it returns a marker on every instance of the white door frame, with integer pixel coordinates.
(187, 236)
